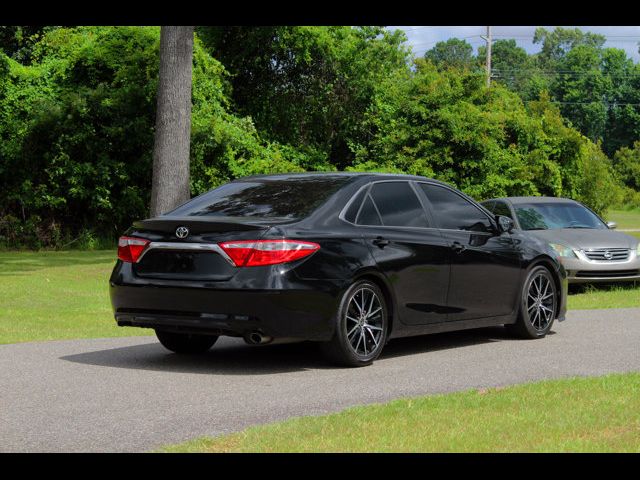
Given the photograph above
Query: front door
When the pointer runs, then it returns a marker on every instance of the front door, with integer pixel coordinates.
(485, 264)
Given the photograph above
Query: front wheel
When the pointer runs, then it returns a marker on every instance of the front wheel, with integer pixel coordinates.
(538, 305)
(185, 342)
(361, 326)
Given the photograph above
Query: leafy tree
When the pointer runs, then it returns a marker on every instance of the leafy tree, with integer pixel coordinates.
(307, 86)
(76, 131)
(627, 163)
(448, 125)
(556, 44)
(514, 68)
(453, 52)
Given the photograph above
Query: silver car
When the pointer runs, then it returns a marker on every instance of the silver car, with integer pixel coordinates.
(588, 247)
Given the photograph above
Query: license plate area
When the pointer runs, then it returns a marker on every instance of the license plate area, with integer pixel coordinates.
(184, 265)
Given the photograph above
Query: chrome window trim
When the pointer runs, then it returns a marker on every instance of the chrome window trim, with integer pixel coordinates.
(185, 246)
(369, 186)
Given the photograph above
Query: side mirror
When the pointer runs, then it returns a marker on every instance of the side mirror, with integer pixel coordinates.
(612, 225)
(505, 224)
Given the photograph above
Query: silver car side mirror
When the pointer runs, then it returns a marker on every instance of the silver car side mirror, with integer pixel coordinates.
(612, 225)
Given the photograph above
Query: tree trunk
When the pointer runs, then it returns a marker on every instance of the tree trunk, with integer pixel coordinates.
(170, 184)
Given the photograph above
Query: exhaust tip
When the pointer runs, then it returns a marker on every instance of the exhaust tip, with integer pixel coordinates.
(257, 338)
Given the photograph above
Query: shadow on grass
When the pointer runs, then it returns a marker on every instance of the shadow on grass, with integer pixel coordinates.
(12, 263)
(231, 356)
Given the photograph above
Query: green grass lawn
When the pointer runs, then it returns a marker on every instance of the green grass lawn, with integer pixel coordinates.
(625, 295)
(57, 295)
(625, 218)
(599, 414)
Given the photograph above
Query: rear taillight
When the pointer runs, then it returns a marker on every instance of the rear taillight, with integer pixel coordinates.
(253, 253)
(130, 248)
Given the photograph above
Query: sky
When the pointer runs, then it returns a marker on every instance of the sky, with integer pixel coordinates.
(423, 38)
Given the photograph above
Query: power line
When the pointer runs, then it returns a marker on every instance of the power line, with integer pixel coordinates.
(565, 74)
(609, 104)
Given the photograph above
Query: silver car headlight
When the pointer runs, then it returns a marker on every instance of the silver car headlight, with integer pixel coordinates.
(563, 250)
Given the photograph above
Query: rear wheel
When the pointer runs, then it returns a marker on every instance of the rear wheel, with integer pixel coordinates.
(186, 342)
(361, 326)
(538, 305)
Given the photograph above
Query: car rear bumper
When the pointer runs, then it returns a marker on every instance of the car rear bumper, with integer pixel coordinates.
(304, 314)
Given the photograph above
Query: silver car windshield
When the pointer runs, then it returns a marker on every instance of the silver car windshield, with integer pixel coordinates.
(544, 216)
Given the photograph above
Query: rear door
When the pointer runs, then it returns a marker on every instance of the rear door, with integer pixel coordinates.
(407, 248)
(485, 265)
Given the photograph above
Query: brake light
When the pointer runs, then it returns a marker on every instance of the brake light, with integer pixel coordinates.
(253, 253)
(130, 248)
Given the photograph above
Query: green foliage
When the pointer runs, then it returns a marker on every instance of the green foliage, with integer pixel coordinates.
(448, 125)
(308, 86)
(626, 163)
(77, 134)
(453, 52)
(77, 113)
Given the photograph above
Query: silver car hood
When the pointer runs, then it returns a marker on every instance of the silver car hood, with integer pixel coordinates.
(585, 238)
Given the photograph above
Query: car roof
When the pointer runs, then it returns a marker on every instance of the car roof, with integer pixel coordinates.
(520, 200)
(355, 175)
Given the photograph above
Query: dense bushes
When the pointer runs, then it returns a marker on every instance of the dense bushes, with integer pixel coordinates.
(448, 125)
(77, 119)
(76, 132)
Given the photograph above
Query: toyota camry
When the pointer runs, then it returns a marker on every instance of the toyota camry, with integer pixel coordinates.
(350, 260)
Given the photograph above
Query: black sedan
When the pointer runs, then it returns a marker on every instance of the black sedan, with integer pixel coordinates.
(350, 260)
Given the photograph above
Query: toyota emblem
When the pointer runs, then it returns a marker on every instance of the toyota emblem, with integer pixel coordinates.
(182, 232)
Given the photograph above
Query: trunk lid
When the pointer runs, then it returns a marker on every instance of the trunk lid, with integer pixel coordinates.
(191, 253)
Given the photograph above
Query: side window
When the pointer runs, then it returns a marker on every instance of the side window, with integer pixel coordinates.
(398, 205)
(501, 208)
(354, 206)
(489, 205)
(454, 212)
(368, 214)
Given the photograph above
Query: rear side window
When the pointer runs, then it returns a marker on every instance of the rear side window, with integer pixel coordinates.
(398, 205)
(290, 198)
(368, 214)
(454, 212)
(352, 211)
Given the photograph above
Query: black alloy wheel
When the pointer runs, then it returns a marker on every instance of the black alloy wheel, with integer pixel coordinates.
(538, 305)
(361, 329)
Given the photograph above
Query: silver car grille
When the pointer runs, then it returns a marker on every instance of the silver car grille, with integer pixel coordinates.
(607, 254)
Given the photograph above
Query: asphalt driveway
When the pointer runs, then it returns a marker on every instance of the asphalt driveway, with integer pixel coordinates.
(129, 394)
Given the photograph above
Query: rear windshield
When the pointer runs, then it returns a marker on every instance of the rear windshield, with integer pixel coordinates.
(289, 199)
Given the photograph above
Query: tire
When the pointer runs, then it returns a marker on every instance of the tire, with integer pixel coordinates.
(185, 342)
(357, 319)
(538, 305)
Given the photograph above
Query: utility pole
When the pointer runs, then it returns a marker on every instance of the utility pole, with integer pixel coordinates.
(488, 39)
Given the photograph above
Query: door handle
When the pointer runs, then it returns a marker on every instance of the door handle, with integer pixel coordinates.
(458, 247)
(381, 242)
